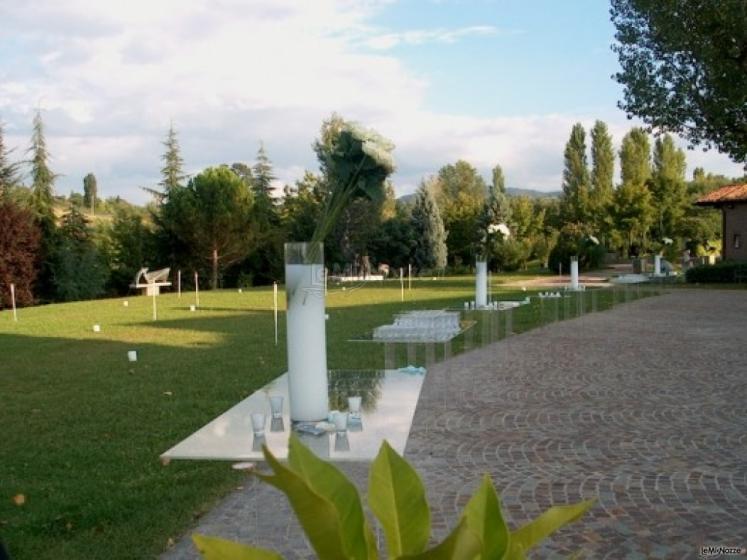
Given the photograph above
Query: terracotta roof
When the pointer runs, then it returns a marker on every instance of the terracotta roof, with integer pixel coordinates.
(724, 195)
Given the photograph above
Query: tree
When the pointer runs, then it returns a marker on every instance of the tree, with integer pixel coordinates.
(90, 192)
(634, 213)
(212, 217)
(602, 179)
(430, 250)
(394, 241)
(263, 175)
(130, 246)
(42, 186)
(19, 253)
(78, 268)
(8, 170)
(576, 178)
(172, 172)
(302, 206)
(668, 187)
(460, 193)
(684, 68)
(498, 207)
(41, 202)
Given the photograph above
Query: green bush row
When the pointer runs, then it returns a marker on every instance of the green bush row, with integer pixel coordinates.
(726, 271)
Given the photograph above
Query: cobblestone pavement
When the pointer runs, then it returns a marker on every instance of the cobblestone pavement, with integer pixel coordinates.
(642, 407)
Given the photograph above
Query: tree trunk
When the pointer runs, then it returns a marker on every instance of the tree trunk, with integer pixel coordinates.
(214, 280)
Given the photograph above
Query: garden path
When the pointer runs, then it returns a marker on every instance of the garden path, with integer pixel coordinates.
(641, 407)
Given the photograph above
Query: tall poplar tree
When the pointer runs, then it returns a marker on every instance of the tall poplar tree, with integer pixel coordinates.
(668, 187)
(90, 192)
(634, 212)
(430, 237)
(576, 178)
(8, 170)
(602, 179)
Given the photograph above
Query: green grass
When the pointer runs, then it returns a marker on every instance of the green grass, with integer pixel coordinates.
(82, 428)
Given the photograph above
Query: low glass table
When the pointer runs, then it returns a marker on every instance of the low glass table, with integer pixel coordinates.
(388, 401)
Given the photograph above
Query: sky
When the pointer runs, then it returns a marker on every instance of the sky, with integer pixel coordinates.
(489, 81)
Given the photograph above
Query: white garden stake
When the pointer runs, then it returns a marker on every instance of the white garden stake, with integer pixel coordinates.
(409, 277)
(197, 291)
(275, 308)
(13, 301)
(179, 283)
(402, 283)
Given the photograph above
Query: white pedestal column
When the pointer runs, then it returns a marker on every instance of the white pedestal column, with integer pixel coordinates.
(481, 284)
(306, 336)
(657, 265)
(574, 274)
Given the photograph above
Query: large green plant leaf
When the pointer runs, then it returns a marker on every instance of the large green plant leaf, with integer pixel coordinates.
(317, 515)
(461, 544)
(550, 521)
(328, 481)
(483, 516)
(397, 497)
(213, 548)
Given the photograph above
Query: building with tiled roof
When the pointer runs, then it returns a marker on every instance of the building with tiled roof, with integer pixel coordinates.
(732, 200)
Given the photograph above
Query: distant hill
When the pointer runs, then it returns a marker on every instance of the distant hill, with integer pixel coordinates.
(531, 193)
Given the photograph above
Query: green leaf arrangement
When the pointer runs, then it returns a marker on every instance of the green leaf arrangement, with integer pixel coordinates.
(330, 512)
(357, 163)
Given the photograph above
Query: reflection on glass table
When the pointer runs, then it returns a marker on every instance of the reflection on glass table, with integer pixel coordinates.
(385, 399)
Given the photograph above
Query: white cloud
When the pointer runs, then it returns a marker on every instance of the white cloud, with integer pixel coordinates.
(111, 76)
(421, 36)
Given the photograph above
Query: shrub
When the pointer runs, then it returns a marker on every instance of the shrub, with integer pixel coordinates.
(723, 272)
(330, 511)
(19, 253)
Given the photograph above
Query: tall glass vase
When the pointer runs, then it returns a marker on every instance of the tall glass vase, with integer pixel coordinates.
(306, 331)
(481, 284)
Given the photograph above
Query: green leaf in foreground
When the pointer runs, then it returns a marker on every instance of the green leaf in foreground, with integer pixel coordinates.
(213, 548)
(550, 521)
(461, 544)
(317, 515)
(397, 497)
(327, 480)
(483, 516)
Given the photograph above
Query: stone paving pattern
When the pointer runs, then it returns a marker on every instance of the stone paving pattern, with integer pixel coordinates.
(642, 407)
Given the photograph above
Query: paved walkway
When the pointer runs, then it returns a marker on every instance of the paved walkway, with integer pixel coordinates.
(642, 407)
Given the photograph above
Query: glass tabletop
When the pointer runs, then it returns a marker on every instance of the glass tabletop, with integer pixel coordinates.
(388, 401)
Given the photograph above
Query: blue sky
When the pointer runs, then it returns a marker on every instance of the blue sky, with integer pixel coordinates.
(541, 57)
(486, 81)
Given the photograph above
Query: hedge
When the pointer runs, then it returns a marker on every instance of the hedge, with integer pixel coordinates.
(723, 272)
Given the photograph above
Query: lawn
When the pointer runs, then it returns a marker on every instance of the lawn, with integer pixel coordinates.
(82, 428)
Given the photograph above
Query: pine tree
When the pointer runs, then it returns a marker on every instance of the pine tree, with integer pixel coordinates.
(172, 172)
(42, 186)
(8, 170)
(430, 237)
(602, 178)
(576, 178)
(90, 192)
(263, 176)
(668, 187)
